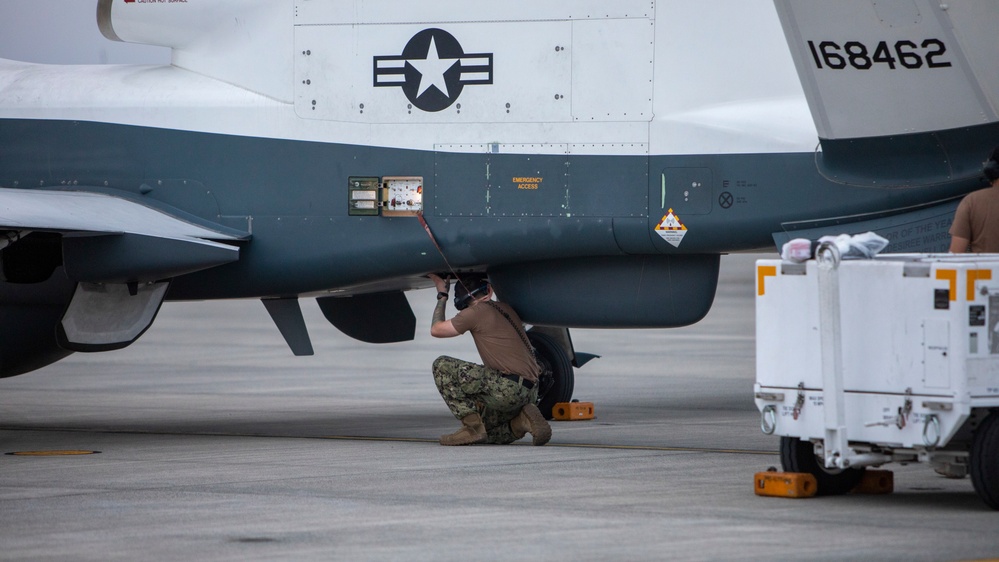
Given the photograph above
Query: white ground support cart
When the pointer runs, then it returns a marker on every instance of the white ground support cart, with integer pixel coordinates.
(893, 359)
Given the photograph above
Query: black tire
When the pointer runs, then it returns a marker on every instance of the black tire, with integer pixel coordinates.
(556, 380)
(799, 456)
(984, 467)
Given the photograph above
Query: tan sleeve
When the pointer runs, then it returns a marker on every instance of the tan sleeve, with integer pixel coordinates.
(961, 227)
(463, 321)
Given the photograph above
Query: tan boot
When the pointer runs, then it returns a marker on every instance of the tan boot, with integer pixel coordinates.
(530, 420)
(472, 431)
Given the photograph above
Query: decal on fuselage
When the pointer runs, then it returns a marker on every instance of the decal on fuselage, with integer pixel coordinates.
(433, 69)
(671, 229)
(529, 183)
(901, 55)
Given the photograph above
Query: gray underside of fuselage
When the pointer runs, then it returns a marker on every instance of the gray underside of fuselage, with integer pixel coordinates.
(291, 198)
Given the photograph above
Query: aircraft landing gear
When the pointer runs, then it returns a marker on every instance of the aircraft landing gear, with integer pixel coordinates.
(799, 456)
(557, 378)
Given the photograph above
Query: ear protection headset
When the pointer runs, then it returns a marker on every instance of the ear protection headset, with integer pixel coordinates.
(468, 290)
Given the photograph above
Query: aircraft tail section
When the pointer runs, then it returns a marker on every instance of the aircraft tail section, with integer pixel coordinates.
(872, 68)
(902, 93)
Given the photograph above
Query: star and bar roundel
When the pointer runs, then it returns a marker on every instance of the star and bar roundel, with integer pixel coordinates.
(433, 69)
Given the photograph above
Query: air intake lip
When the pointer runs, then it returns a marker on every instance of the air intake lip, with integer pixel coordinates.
(104, 20)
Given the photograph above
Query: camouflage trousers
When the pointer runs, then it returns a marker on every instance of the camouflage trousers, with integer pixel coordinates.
(470, 388)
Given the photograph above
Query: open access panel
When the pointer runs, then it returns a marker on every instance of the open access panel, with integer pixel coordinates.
(389, 196)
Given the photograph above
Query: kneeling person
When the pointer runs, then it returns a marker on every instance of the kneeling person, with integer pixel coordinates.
(494, 401)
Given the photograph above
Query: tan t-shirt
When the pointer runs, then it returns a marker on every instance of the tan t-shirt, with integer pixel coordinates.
(500, 345)
(977, 219)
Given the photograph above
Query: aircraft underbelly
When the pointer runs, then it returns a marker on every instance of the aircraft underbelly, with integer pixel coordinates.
(611, 292)
(492, 203)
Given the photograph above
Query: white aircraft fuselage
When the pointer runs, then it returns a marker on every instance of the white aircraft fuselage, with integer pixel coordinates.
(604, 153)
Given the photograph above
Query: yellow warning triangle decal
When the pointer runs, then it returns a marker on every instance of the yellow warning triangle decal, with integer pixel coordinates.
(670, 222)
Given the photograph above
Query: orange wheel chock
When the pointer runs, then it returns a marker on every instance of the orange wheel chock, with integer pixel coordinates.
(569, 411)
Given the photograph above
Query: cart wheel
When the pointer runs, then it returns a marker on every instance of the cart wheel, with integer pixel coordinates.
(985, 460)
(799, 456)
(556, 380)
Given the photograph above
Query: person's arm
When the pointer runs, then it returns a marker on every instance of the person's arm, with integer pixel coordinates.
(439, 326)
(958, 245)
(960, 228)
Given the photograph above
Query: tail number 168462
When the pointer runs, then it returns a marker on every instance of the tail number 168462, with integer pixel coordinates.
(903, 54)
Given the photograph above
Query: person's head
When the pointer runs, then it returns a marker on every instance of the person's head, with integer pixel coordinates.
(471, 288)
(990, 168)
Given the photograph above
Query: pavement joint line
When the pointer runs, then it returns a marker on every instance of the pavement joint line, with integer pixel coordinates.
(576, 445)
(397, 440)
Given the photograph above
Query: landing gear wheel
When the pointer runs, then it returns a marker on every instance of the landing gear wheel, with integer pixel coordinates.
(799, 456)
(984, 467)
(556, 380)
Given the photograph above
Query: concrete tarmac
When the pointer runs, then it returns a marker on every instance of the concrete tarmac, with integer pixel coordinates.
(215, 443)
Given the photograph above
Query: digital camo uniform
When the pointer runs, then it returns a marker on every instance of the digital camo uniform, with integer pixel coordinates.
(499, 399)
(493, 400)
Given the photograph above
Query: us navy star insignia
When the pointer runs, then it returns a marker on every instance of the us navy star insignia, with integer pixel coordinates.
(433, 69)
